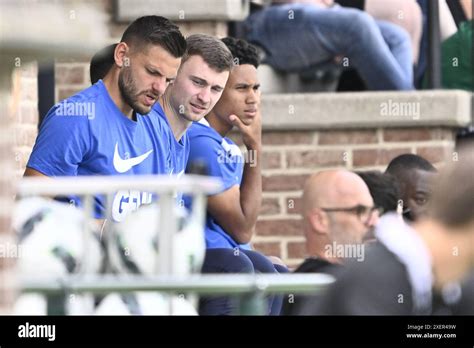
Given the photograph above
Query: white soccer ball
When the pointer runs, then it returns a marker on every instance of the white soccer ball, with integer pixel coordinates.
(52, 243)
(144, 303)
(52, 240)
(133, 245)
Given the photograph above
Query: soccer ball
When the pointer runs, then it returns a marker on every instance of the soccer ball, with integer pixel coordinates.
(52, 240)
(144, 303)
(52, 243)
(133, 244)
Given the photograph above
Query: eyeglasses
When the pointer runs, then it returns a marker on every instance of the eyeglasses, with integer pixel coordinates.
(363, 212)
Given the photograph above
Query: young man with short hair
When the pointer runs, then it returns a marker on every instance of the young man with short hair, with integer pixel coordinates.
(232, 213)
(414, 175)
(111, 128)
(198, 86)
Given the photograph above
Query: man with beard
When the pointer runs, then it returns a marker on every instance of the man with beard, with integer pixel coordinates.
(198, 86)
(111, 128)
(338, 214)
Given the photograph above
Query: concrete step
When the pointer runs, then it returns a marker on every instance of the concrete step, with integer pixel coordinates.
(367, 109)
(272, 81)
(184, 10)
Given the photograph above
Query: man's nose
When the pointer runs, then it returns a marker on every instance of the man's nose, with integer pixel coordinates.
(159, 86)
(204, 95)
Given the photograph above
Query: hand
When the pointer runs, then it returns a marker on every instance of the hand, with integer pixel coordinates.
(251, 134)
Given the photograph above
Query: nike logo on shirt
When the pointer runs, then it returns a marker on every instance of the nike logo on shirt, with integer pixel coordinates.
(123, 165)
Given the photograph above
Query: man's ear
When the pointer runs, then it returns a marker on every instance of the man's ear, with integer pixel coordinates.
(319, 221)
(121, 55)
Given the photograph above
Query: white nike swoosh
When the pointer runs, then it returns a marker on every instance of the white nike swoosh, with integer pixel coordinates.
(123, 165)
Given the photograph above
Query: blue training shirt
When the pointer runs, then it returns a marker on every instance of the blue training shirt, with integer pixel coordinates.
(225, 161)
(177, 150)
(87, 134)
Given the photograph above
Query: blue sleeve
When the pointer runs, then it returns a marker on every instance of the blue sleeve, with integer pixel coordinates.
(209, 150)
(61, 145)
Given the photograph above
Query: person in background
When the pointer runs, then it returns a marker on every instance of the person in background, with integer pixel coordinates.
(414, 175)
(338, 214)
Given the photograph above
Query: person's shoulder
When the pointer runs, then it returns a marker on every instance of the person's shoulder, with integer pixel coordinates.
(78, 108)
(202, 132)
(316, 265)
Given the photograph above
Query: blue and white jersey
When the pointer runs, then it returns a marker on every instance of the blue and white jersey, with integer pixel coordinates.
(177, 150)
(87, 134)
(178, 154)
(225, 161)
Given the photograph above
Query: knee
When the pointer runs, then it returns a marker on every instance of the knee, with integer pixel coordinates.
(359, 24)
(261, 263)
(227, 261)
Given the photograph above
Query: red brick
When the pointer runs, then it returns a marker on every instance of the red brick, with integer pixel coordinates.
(434, 154)
(371, 157)
(23, 157)
(66, 75)
(29, 90)
(25, 136)
(28, 114)
(279, 228)
(64, 93)
(271, 160)
(347, 137)
(416, 134)
(296, 250)
(268, 248)
(270, 206)
(287, 138)
(283, 182)
(29, 70)
(294, 205)
(315, 158)
(5, 220)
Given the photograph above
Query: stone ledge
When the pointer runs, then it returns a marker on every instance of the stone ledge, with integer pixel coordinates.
(184, 10)
(451, 108)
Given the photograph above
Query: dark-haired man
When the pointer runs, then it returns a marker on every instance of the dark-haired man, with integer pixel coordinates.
(383, 188)
(198, 86)
(232, 213)
(414, 175)
(110, 128)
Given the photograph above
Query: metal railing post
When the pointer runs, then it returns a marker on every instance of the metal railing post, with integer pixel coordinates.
(434, 46)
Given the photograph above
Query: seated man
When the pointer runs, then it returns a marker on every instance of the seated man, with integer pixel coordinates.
(207, 60)
(111, 127)
(232, 213)
(338, 213)
(414, 175)
(419, 269)
(383, 188)
(299, 34)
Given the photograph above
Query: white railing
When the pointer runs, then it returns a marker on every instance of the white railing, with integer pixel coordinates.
(250, 287)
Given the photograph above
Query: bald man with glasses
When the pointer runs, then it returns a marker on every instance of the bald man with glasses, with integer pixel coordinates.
(339, 215)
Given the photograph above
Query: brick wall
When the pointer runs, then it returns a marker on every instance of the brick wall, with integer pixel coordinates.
(289, 157)
(24, 112)
(18, 122)
(72, 75)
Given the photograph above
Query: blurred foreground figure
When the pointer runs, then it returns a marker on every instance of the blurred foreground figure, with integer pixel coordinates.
(418, 269)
